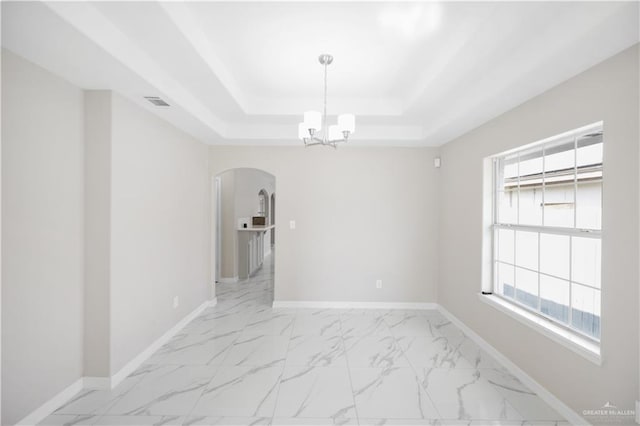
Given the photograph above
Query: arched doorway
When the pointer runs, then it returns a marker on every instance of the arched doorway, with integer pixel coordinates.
(244, 225)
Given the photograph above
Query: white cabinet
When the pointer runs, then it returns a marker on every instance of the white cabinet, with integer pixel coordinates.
(251, 253)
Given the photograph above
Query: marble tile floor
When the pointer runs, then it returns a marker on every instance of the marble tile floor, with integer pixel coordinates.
(244, 363)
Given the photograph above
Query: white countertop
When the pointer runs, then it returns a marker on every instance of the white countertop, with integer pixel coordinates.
(257, 228)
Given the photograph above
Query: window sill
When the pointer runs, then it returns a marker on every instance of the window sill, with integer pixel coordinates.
(566, 338)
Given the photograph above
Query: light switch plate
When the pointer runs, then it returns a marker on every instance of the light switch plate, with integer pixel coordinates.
(292, 224)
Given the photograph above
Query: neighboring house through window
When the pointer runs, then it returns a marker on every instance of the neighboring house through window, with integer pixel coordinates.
(547, 216)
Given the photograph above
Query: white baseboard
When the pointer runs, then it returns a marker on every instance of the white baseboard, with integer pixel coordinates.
(52, 405)
(351, 305)
(231, 280)
(562, 409)
(97, 383)
(136, 362)
(63, 397)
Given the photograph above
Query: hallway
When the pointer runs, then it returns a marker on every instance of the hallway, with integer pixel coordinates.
(242, 362)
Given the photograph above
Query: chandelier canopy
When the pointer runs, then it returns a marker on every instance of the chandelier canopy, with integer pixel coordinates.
(314, 130)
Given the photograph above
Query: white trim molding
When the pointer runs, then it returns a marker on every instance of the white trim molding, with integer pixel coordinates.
(136, 362)
(351, 305)
(98, 383)
(40, 413)
(231, 280)
(566, 338)
(563, 409)
(107, 383)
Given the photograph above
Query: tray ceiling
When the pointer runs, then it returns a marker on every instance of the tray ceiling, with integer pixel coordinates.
(415, 74)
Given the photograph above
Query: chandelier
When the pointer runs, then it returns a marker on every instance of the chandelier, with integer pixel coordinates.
(311, 130)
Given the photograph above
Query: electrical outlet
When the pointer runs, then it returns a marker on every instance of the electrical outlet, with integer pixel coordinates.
(292, 224)
(176, 302)
(378, 283)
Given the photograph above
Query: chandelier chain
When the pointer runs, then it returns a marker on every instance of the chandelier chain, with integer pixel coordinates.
(326, 127)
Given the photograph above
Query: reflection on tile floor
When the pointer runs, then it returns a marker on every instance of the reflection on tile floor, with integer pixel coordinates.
(245, 363)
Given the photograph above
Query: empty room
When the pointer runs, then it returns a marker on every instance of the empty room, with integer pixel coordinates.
(320, 213)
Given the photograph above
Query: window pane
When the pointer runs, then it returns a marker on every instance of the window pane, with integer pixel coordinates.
(554, 297)
(508, 206)
(585, 261)
(554, 255)
(585, 309)
(510, 166)
(505, 245)
(527, 249)
(589, 174)
(559, 205)
(530, 164)
(560, 158)
(589, 205)
(531, 205)
(590, 149)
(505, 280)
(527, 287)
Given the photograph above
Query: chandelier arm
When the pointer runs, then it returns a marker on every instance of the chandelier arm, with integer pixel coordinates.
(314, 141)
(318, 141)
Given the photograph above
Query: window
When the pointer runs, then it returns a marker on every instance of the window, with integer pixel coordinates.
(262, 200)
(547, 219)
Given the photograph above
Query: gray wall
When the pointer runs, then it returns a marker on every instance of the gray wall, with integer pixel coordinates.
(361, 214)
(92, 171)
(606, 92)
(160, 228)
(97, 233)
(42, 240)
(147, 230)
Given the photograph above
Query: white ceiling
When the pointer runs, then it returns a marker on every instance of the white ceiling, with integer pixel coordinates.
(415, 74)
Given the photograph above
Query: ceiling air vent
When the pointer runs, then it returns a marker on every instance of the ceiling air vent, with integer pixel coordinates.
(156, 101)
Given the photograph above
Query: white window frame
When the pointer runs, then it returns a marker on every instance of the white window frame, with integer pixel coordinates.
(586, 344)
